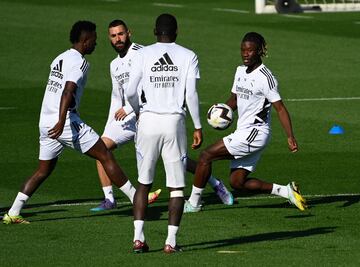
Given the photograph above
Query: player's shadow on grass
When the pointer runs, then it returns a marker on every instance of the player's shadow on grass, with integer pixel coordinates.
(274, 236)
(348, 200)
(155, 211)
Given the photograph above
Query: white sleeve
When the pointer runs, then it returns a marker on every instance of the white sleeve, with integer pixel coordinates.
(127, 107)
(134, 80)
(271, 90)
(192, 101)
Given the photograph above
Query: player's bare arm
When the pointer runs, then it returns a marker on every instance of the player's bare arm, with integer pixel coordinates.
(66, 98)
(231, 102)
(285, 121)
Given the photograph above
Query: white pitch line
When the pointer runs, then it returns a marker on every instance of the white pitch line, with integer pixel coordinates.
(230, 251)
(322, 99)
(231, 10)
(167, 5)
(357, 22)
(297, 16)
(240, 198)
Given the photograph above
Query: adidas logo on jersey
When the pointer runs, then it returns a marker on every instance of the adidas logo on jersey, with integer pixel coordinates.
(164, 64)
(56, 71)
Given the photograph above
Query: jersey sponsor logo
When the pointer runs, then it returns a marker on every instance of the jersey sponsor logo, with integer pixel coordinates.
(57, 69)
(164, 64)
(58, 66)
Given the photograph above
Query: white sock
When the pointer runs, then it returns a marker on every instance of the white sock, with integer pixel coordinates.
(213, 181)
(128, 190)
(139, 230)
(280, 190)
(108, 193)
(171, 238)
(18, 204)
(195, 197)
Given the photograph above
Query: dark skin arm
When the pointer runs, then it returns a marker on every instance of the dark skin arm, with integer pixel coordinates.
(285, 121)
(232, 102)
(66, 98)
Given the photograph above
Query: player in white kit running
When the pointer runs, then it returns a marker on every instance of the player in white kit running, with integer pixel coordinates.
(254, 91)
(60, 124)
(168, 73)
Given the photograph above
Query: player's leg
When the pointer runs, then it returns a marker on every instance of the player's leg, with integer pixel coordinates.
(216, 184)
(112, 169)
(214, 152)
(147, 152)
(240, 181)
(106, 185)
(176, 207)
(44, 169)
(49, 151)
(139, 210)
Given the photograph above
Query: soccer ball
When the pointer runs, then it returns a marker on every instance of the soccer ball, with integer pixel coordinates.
(220, 116)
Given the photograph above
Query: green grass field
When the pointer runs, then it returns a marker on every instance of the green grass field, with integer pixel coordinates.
(315, 58)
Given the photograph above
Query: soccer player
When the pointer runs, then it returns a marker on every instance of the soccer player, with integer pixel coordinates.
(60, 124)
(168, 73)
(254, 91)
(120, 127)
(121, 124)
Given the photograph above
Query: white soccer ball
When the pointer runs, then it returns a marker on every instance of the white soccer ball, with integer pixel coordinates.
(220, 116)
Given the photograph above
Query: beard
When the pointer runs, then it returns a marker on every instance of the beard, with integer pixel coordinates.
(123, 49)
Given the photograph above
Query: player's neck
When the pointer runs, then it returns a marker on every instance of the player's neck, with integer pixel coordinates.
(166, 38)
(251, 68)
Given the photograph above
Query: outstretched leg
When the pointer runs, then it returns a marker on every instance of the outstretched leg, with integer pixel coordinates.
(112, 169)
(43, 171)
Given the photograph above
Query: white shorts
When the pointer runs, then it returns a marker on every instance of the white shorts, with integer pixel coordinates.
(165, 135)
(121, 132)
(246, 145)
(76, 134)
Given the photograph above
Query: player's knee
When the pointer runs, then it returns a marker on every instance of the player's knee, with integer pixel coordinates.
(176, 193)
(205, 158)
(236, 183)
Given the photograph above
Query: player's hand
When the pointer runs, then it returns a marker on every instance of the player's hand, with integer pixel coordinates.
(57, 130)
(292, 144)
(120, 114)
(197, 139)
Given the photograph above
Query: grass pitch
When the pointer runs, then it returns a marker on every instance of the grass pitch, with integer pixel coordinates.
(314, 57)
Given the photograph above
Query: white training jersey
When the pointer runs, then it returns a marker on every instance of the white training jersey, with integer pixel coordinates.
(68, 66)
(119, 71)
(255, 92)
(165, 69)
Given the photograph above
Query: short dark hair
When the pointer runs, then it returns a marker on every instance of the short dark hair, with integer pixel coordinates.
(258, 39)
(165, 24)
(117, 22)
(80, 27)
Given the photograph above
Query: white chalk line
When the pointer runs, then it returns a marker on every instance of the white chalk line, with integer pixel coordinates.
(168, 5)
(240, 198)
(231, 10)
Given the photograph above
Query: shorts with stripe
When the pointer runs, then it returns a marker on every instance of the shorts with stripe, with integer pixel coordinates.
(165, 135)
(246, 145)
(76, 134)
(121, 131)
